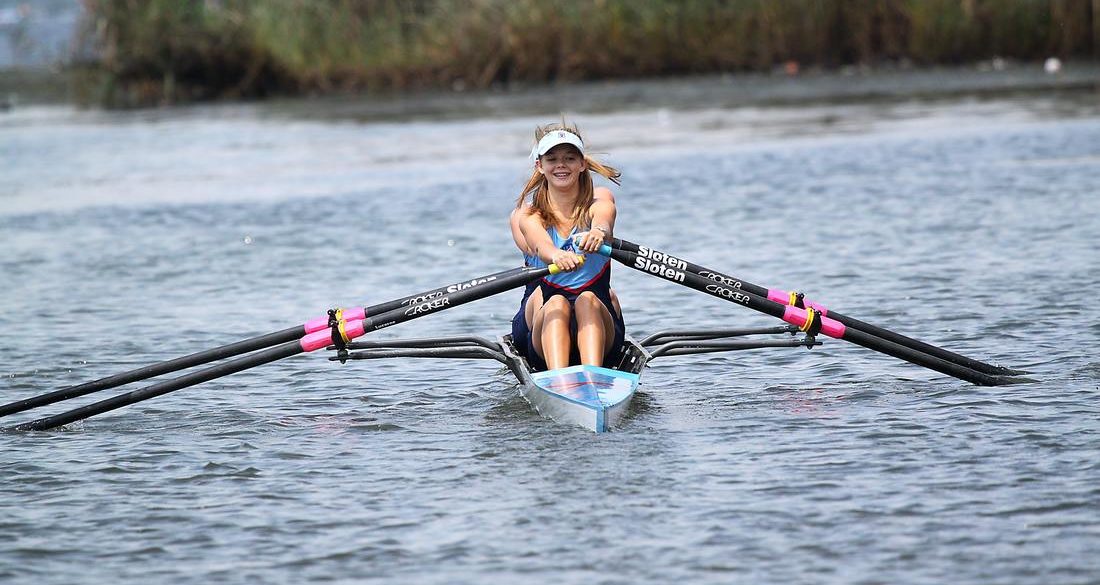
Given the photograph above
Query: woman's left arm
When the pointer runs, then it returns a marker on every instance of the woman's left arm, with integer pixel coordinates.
(602, 214)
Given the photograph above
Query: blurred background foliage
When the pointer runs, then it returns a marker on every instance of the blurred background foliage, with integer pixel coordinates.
(163, 51)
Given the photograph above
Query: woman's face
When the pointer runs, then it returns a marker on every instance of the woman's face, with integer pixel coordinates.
(562, 166)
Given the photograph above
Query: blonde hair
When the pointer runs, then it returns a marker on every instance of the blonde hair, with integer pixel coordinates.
(538, 188)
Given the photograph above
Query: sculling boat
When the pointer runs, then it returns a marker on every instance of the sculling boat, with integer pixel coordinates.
(595, 398)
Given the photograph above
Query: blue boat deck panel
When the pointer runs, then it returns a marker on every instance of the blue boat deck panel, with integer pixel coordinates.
(591, 386)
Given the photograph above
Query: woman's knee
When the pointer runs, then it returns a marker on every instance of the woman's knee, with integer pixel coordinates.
(556, 305)
(588, 302)
(591, 310)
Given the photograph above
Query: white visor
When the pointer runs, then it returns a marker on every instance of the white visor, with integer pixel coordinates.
(553, 139)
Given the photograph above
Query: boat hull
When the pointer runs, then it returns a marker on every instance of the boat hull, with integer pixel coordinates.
(592, 397)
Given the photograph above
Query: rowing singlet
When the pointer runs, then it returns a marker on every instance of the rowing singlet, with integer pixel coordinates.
(593, 276)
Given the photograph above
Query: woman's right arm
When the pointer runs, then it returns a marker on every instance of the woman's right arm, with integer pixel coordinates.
(517, 232)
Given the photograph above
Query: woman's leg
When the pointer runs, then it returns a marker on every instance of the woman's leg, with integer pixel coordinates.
(550, 332)
(534, 303)
(595, 330)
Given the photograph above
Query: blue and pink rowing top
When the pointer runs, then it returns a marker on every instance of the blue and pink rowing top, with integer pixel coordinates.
(584, 278)
(593, 276)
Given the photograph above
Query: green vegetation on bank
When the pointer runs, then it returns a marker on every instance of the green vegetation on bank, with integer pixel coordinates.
(156, 51)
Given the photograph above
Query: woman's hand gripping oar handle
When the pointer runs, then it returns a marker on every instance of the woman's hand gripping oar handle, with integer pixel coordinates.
(675, 270)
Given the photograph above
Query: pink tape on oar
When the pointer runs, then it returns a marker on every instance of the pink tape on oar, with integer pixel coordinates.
(784, 297)
(322, 339)
(316, 324)
(354, 314)
(353, 329)
(831, 327)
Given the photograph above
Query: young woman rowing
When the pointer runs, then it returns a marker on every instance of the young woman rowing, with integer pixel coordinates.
(571, 317)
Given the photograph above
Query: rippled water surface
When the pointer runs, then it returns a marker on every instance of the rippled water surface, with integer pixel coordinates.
(134, 237)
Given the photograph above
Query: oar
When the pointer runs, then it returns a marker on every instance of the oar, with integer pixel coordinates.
(248, 345)
(808, 320)
(785, 297)
(343, 333)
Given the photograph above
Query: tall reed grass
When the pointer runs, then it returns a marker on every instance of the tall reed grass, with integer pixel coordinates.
(171, 50)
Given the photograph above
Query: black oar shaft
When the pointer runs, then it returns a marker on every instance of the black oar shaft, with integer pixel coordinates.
(454, 299)
(853, 323)
(223, 369)
(152, 371)
(233, 349)
(931, 362)
(846, 320)
(438, 292)
(472, 292)
(677, 273)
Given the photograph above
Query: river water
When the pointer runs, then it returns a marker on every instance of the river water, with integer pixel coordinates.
(968, 222)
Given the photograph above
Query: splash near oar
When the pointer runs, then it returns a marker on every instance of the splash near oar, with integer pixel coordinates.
(809, 320)
(339, 334)
(796, 299)
(242, 347)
